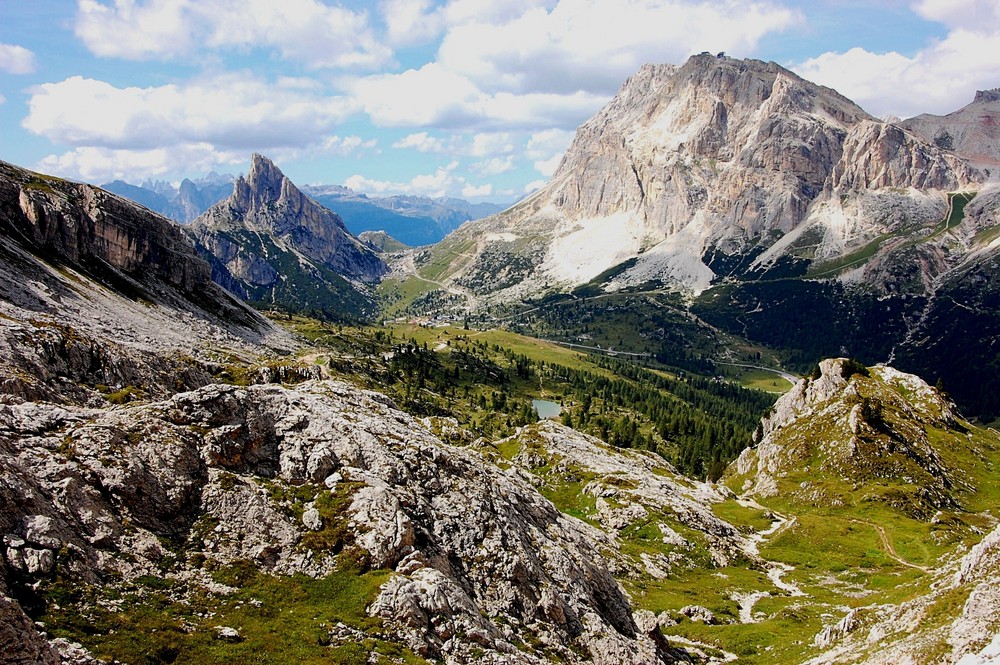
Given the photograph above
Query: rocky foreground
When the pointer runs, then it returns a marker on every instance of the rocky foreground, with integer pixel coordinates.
(482, 561)
(320, 479)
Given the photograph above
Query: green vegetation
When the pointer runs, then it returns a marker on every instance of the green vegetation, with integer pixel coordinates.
(279, 619)
(487, 379)
(397, 296)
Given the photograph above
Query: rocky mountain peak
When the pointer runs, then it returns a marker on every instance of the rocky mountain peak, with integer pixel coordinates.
(264, 184)
(690, 169)
(260, 239)
(865, 424)
(266, 187)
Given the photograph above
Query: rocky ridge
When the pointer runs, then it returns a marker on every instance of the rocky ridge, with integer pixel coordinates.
(865, 428)
(98, 291)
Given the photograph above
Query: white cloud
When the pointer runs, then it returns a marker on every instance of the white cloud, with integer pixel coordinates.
(494, 166)
(547, 148)
(230, 111)
(410, 22)
(474, 192)
(940, 78)
(16, 59)
(972, 15)
(484, 144)
(421, 142)
(427, 96)
(99, 165)
(307, 31)
(443, 182)
(592, 45)
(433, 96)
(346, 145)
(3, 100)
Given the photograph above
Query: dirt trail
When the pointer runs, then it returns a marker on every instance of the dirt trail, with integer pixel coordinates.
(889, 549)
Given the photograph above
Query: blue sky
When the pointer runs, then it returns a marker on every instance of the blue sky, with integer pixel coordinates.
(469, 98)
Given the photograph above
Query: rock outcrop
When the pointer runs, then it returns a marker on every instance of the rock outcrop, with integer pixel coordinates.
(273, 246)
(866, 427)
(481, 559)
(884, 156)
(629, 489)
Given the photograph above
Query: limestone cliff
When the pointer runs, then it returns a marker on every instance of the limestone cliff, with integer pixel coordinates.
(99, 291)
(691, 168)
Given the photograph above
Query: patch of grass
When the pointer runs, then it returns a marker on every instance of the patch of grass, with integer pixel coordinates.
(750, 519)
(397, 296)
(569, 498)
(279, 619)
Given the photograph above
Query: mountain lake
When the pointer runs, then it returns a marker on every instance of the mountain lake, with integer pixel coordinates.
(546, 410)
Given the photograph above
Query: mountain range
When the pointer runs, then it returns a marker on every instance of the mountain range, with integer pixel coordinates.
(183, 204)
(413, 220)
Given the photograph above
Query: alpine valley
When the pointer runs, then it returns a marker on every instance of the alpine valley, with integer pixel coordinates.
(256, 437)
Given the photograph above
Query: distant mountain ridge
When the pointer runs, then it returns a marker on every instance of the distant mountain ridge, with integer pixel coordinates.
(182, 204)
(273, 246)
(414, 220)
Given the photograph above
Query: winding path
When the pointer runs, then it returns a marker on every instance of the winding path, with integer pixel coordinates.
(889, 549)
(776, 570)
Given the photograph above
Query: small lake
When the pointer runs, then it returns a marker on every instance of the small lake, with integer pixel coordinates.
(546, 409)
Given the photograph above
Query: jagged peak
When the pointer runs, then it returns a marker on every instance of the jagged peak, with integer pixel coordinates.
(266, 181)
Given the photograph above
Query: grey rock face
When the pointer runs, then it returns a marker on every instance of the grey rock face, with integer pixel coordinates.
(85, 225)
(880, 156)
(97, 290)
(718, 155)
(20, 643)
(481, 558)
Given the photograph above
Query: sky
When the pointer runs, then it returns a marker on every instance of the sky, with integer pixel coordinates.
(476, 99)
